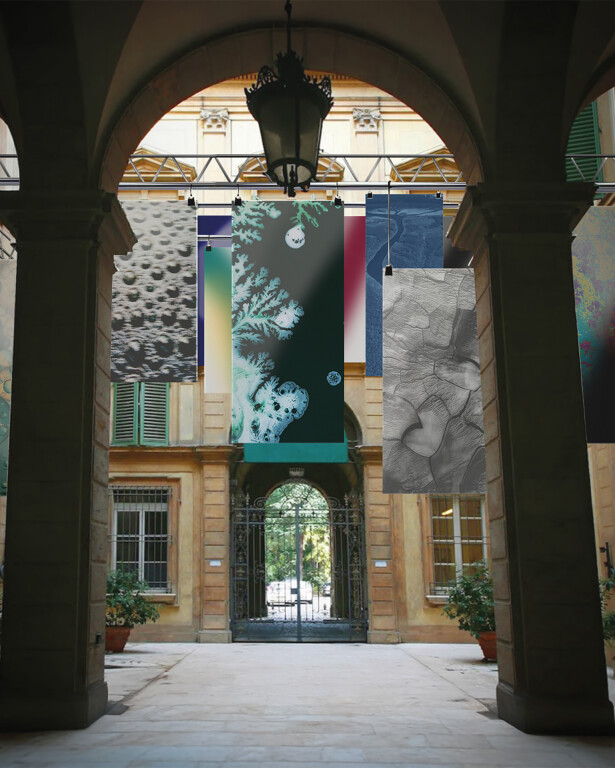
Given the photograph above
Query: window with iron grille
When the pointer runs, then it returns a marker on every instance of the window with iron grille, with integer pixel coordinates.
(141, 413)
(458, 537)
(140, 537)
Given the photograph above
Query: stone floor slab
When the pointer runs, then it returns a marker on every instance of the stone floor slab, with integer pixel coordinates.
(302, 706)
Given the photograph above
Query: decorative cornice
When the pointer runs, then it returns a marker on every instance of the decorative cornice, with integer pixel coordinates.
(354, 370)
(217, 454)
(207, 454)
(370, 454)
(366, 119)
(75, 214)
(490, 209)
(214, 120)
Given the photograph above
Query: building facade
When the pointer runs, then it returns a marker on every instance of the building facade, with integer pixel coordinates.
(408, 552)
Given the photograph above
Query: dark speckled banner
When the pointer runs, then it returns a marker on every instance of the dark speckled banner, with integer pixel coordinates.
(433, 439)
(288, 322)
(155, 296)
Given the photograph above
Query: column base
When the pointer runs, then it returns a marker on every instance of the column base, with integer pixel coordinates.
(214, 636)
(533, 714)
(383, 637)
(60, 712)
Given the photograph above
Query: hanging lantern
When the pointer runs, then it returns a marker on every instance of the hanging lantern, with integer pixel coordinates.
(290, 107)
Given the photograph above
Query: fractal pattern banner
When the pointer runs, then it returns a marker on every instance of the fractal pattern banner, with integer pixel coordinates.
(433, 437)
(416, 242)
(155, 296)
(288, 322)
(593, 268)
(354, 289)
(8, 274)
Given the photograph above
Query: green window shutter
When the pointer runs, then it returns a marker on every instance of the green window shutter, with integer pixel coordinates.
(154, 413)
(584, 139)
(125, 402)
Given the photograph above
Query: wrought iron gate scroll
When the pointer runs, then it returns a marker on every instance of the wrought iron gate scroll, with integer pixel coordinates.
(298, 605)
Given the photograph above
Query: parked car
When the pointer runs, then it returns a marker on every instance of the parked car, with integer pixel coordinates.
(285, 592)
(326, 589)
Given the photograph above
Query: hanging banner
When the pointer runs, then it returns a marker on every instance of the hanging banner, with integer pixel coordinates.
(217, 325)
(217, 231)
(593, 269)
(433, 438)
(155, 296)
(8, 274)
(215, 291)
(354, 289)
(288, 322)
(416, 241)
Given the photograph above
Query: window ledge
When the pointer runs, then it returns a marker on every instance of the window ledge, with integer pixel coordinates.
(437, 599)
(169, 598)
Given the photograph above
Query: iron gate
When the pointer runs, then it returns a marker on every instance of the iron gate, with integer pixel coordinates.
(298, 573)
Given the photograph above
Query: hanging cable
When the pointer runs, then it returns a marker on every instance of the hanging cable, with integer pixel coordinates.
(338, 200)
(388, 270)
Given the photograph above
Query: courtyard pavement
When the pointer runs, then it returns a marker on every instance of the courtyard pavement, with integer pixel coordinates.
(301, 706)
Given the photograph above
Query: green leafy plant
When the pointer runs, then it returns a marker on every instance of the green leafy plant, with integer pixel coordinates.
(127, 606)
(608, 616)
(470, 600)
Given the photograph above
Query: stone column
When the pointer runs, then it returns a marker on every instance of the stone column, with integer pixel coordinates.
(381, 570)
(552, 676)
(215, 617)
(51, 671)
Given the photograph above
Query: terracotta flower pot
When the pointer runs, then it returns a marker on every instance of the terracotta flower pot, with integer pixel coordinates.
(487, 642)
(116, 638)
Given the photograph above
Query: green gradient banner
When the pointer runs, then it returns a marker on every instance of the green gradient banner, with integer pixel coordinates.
(217, 289)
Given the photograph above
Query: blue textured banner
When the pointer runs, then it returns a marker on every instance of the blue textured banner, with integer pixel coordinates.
(416, 241)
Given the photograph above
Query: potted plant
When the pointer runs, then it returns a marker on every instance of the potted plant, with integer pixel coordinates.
(470, 601)
(608, 616)
(127, 606)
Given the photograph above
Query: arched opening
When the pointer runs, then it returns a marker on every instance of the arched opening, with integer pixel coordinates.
(355, 57)
(9, 172)
(298, 566)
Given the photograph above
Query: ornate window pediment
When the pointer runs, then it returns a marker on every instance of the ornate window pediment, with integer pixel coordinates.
(428, 169)
(163, 168)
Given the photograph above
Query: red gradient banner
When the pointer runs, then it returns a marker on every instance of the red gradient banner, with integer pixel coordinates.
(354, 289)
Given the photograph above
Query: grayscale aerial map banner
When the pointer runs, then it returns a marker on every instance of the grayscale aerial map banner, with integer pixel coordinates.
(433, 439)
(288, 322)
(155, 296)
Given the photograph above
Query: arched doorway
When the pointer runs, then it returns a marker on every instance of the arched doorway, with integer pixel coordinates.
(298, 566)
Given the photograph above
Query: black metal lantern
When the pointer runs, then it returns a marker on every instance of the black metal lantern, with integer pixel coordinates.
(290, 108)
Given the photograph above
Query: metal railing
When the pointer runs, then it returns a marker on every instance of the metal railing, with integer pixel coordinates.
(7, 246)
(224, 171)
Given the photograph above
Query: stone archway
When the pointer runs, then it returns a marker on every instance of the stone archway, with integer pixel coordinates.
(322, 49)
(520, 241)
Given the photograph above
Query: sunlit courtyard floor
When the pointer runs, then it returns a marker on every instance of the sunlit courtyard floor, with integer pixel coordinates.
(240, 705)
